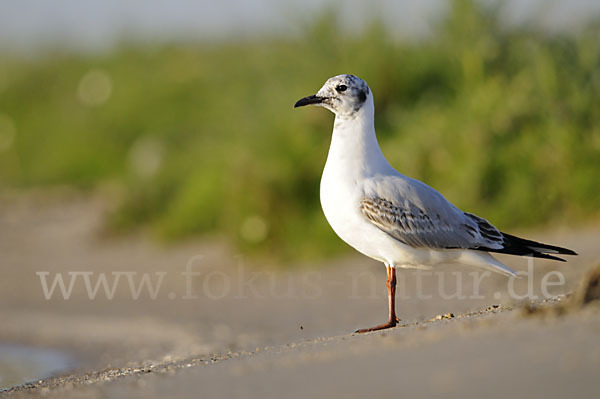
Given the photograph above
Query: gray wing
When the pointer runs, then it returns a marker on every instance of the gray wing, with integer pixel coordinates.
(419, 216)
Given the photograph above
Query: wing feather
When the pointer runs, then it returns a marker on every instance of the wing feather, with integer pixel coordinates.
(418, 227)
(419, 216)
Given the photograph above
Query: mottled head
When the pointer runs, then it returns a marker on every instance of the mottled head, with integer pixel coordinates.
(344, 95)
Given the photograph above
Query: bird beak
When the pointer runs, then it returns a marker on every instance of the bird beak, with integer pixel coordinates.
(314, 99)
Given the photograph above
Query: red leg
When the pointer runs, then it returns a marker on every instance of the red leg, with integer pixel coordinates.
(391, 286)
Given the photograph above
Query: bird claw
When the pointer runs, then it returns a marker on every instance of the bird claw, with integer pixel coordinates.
(389, 324)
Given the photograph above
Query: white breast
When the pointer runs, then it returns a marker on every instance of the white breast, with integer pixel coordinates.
(349, 165)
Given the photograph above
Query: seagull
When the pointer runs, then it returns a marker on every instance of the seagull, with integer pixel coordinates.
(393, 218)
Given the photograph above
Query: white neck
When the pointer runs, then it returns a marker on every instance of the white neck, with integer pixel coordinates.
(354, 149)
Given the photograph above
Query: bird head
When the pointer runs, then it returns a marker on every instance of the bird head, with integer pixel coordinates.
(344, 95)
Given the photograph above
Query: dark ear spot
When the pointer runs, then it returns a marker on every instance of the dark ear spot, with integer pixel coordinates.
(362, 96)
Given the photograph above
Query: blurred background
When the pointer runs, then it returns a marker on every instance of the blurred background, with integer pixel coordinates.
(140, 135)
(179, 114)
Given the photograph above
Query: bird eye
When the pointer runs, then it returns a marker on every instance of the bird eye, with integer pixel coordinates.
(341, 88)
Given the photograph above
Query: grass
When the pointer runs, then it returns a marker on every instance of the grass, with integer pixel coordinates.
(202, 138)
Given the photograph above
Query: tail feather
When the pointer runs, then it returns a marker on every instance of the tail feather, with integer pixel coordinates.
(513, 245)
(485, 261)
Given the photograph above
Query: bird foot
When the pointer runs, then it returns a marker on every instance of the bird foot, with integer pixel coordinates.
(389, 324)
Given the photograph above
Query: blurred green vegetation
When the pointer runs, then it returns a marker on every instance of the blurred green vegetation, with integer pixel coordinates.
(202, 138)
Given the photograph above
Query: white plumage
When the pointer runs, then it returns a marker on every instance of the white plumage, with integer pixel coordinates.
(387, 216)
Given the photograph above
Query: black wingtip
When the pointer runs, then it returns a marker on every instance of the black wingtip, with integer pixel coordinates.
(536, 247)
(568, 252)
(522, 247)
(546, 256)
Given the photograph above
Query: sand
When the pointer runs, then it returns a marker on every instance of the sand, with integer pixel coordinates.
(244, 329)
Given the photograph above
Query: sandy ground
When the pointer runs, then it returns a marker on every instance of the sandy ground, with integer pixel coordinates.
(242, 329)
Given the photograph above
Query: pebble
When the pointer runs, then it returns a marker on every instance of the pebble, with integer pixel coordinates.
(444, 316)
